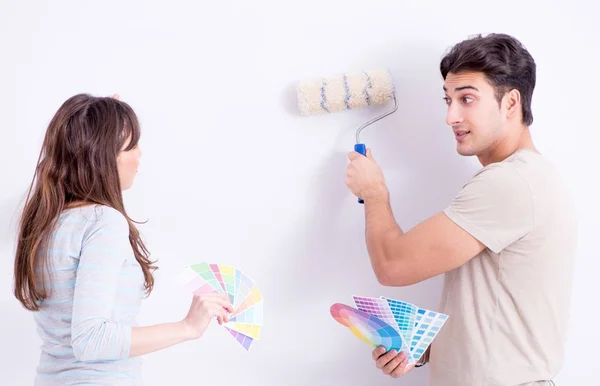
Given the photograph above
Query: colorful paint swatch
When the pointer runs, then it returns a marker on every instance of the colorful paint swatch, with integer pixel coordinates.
(242, 339)
(252, 315)
(236, 281)
(192, 282)
(427, 326)
(404, 315)
(248, 329)
(416, 327)
(380, 308)
(253, 297)
(227, 275)
(218, 276)
(366, 327)
(377, 307)
(246, 321)
(243, 289)
(205, 272)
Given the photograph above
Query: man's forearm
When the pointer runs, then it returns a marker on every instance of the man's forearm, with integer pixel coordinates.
(381, 231)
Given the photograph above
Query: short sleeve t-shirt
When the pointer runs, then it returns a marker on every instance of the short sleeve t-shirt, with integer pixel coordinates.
(508, 306)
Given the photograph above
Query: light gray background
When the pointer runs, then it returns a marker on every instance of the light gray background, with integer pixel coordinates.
(232, 174)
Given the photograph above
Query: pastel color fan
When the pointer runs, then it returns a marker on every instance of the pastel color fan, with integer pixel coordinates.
(246, 320)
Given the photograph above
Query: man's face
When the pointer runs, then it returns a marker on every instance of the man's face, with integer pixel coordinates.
(476, 118)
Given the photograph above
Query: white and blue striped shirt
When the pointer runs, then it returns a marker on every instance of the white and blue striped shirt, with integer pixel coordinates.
(95, 287)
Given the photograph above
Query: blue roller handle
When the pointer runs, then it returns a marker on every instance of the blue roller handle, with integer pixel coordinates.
(362, 149)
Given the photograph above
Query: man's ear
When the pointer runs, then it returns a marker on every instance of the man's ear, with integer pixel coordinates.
(512, 102)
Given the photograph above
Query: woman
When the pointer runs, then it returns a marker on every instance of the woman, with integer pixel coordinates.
(80, 262)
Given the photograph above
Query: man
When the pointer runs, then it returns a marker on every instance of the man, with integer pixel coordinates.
(505, 243)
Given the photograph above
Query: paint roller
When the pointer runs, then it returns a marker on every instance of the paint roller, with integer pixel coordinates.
(347, 91)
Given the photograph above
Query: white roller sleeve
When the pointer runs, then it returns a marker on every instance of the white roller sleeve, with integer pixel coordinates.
(345, 92)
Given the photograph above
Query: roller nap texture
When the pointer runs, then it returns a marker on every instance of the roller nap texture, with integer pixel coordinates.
(344, 92)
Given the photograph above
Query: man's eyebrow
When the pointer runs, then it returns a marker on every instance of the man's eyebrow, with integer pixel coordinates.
(462, 88)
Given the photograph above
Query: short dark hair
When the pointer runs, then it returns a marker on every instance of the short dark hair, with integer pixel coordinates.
(504, 61)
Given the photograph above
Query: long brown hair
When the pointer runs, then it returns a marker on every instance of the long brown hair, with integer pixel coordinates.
(77, 164)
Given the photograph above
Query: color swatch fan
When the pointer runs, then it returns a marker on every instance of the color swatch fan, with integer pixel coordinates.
(417, 326)
(246, 319)
(391, 323)
(367, 328)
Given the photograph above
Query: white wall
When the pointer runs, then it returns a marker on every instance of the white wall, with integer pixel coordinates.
(231, 174)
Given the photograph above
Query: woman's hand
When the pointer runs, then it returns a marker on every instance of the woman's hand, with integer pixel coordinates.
(203, 309)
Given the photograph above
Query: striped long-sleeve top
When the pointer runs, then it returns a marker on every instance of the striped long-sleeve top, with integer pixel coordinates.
(95, 289)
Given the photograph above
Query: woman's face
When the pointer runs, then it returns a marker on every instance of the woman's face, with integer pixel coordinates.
(127, 164)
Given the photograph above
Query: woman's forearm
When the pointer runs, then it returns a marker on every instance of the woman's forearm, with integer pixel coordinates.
(149, 339)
